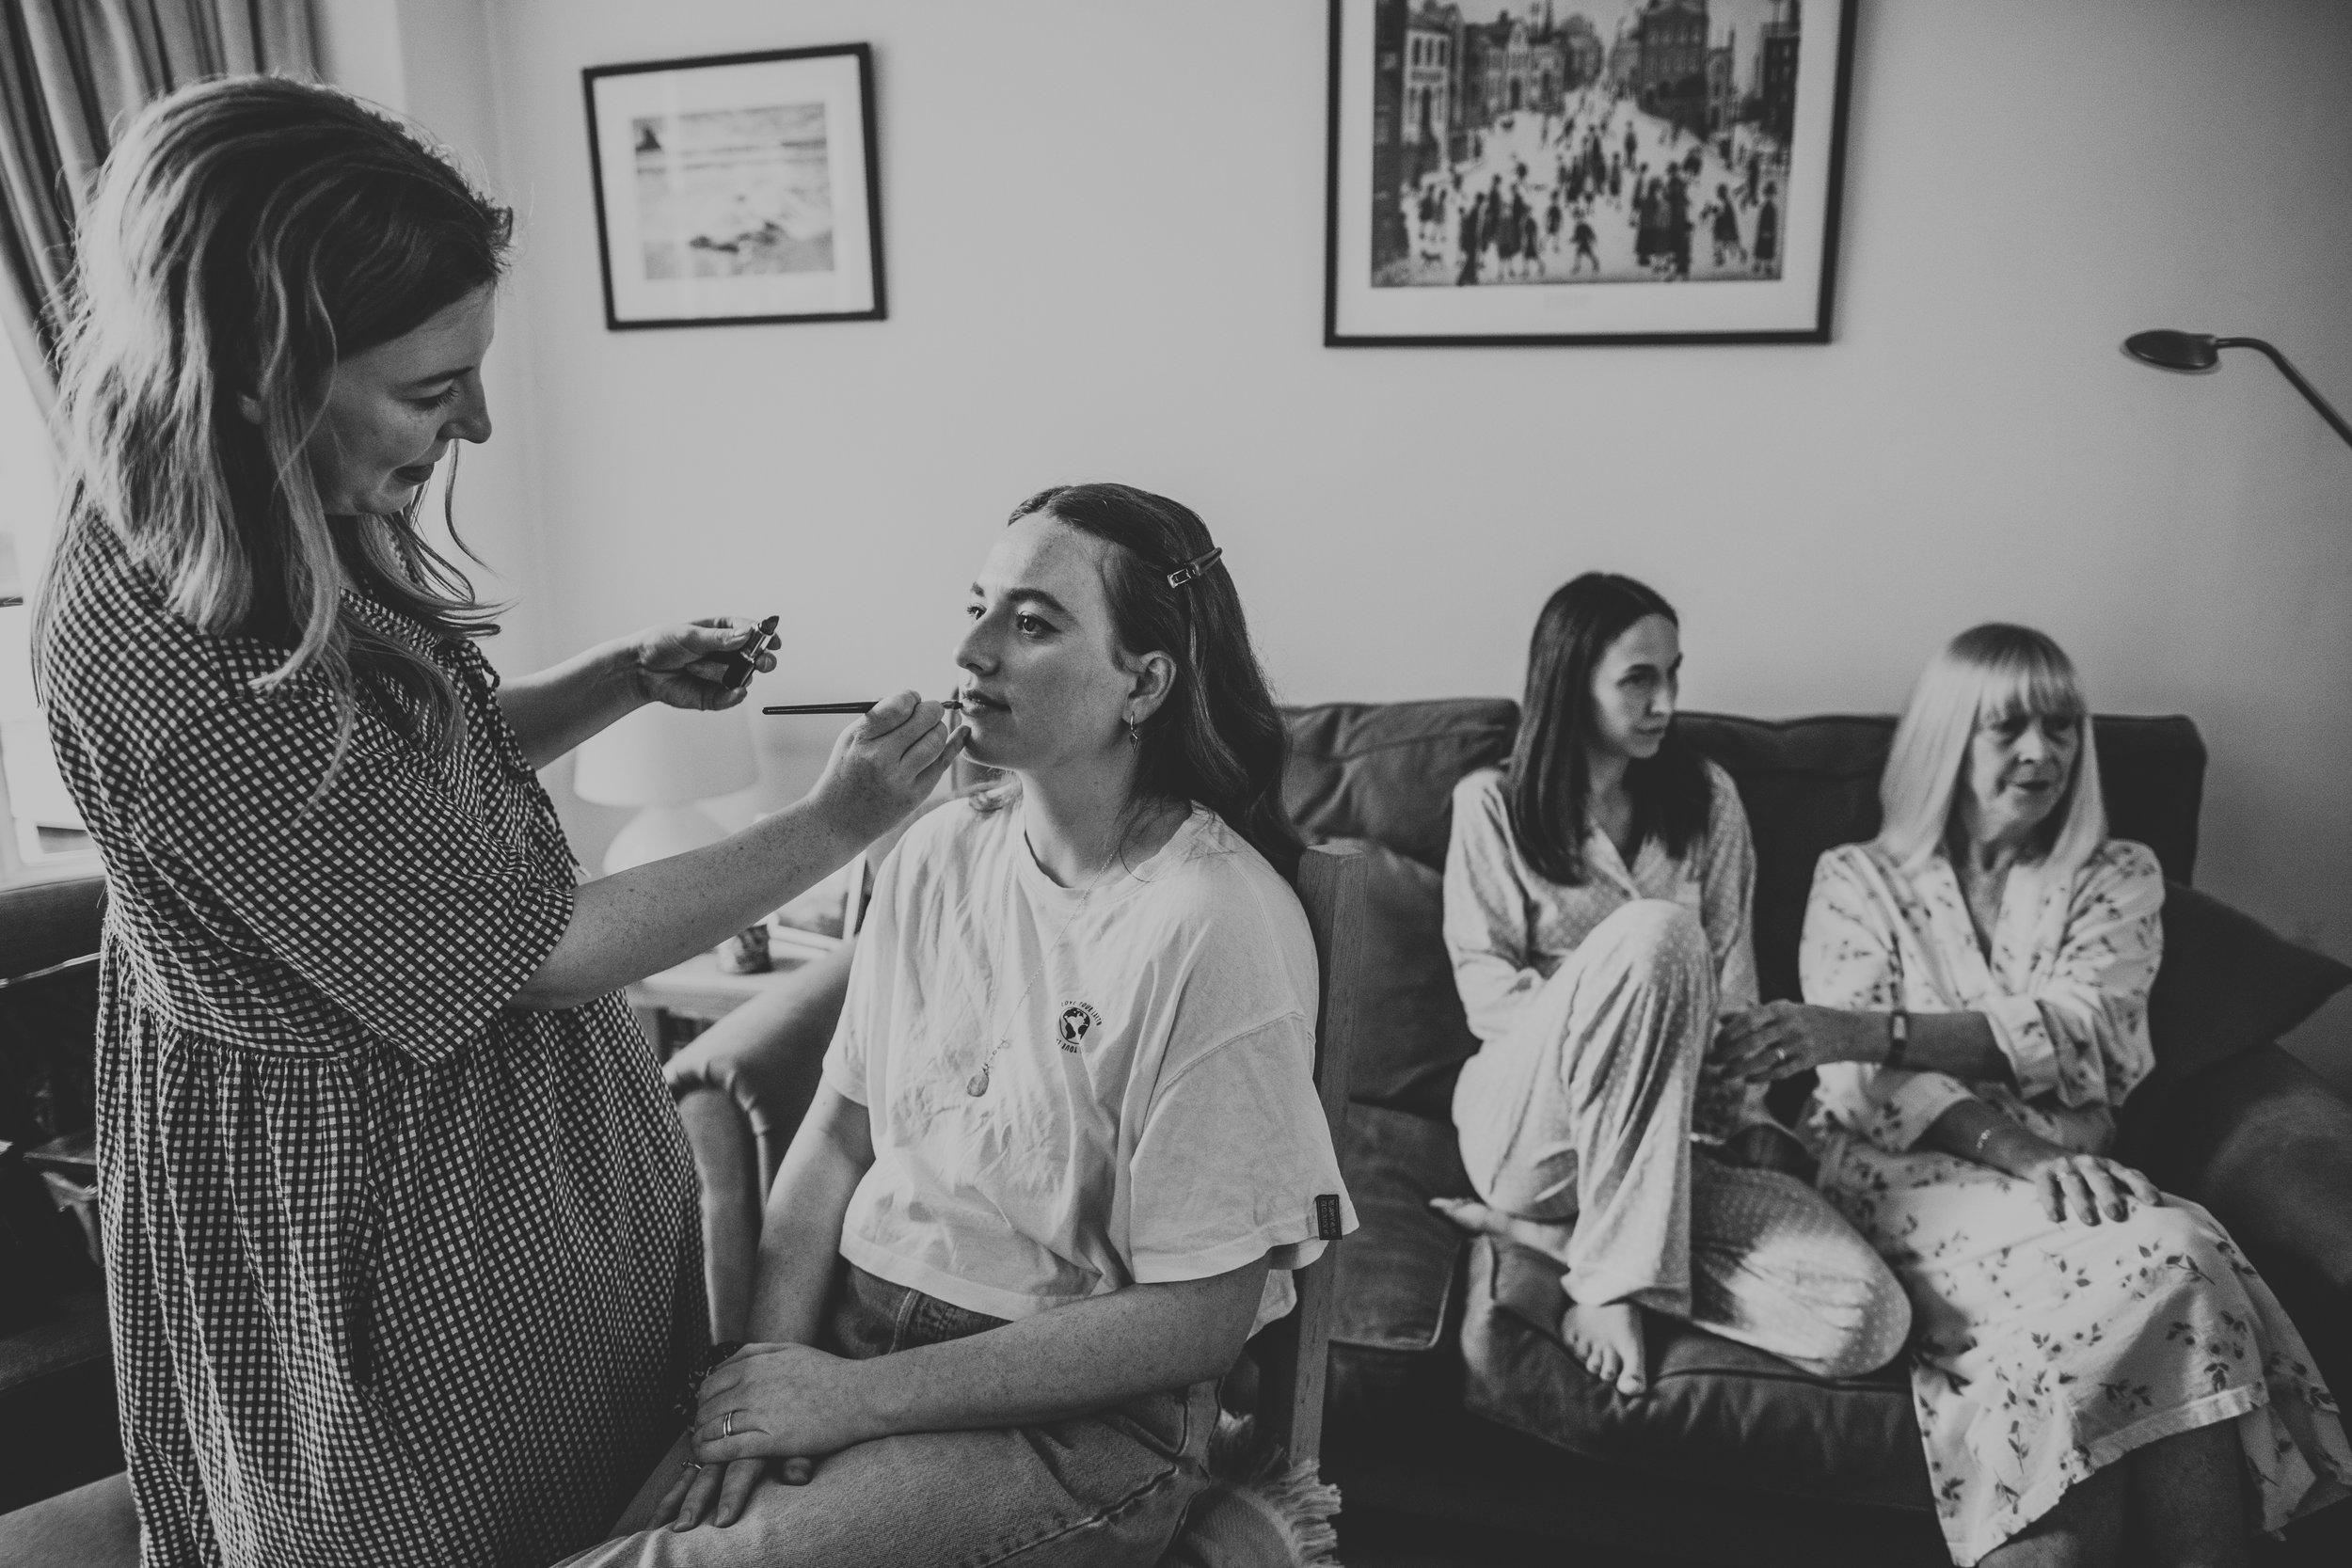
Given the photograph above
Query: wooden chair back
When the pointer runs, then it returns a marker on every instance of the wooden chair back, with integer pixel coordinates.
(1295, 1355)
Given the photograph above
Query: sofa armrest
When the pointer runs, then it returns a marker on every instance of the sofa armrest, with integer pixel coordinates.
(2266, 1144)
(742, 1086)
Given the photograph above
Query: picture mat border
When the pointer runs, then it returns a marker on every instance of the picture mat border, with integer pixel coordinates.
(870, 152)
(1815, 216)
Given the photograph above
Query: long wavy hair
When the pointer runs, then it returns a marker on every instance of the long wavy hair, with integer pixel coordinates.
(1549, 782)
(247, 235)
(1218, 739)
(1986, 676)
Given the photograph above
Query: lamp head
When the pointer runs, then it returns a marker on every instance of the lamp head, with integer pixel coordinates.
(2174, 351)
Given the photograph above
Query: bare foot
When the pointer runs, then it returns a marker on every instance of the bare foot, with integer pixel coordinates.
(1548, 1237)
(1608, 1339)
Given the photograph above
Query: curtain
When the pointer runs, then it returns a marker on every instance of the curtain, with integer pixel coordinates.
(71, 70)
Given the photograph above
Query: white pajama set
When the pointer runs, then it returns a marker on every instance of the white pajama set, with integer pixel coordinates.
(1598, 1005)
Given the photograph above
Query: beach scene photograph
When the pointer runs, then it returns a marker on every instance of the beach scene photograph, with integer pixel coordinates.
(731, 193)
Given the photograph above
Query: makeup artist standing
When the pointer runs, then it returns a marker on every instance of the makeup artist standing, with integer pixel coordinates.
(401, 1227)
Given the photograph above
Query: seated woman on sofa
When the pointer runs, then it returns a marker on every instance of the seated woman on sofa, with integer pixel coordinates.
(1596, 909)
(1067, 1121)
(2096, 1364)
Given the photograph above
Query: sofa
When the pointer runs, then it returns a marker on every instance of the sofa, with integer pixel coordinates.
(1449, 1395)
(57, 1365)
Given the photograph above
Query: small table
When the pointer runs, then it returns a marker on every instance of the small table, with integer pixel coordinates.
(679, 1002)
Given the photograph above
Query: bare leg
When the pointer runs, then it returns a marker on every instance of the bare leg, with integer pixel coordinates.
(2084, 1531)
(2189, 1500)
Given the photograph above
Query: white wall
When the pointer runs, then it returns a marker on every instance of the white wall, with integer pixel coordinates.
(1103, 232)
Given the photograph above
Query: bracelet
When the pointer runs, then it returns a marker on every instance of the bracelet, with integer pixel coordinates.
(1898, 1039)
(1976, 1150)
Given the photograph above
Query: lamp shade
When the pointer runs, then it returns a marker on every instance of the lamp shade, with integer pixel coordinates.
(666, 756)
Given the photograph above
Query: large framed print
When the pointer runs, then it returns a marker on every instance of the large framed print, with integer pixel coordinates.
(1584, 171)
(738, 188)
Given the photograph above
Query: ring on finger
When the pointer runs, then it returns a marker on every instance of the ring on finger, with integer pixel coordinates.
(726, 1427)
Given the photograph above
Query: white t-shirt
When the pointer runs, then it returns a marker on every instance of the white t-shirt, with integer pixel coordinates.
(1150, 1115)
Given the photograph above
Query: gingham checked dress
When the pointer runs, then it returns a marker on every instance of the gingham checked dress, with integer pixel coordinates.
(399, 1275)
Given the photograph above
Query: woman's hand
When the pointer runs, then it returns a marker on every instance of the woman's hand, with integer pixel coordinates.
(1780, 1040)
(685, 665)
(884, 765)
(2086, 1187)
(782, 1402)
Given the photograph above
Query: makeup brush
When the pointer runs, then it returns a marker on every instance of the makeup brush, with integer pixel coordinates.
(846, 707)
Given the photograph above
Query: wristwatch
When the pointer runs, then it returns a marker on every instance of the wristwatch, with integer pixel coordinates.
(1897, 1037)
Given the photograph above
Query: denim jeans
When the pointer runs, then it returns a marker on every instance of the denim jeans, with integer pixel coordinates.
(1107, 1489)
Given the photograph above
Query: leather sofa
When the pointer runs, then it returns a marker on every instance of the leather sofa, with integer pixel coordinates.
(1449, 1397)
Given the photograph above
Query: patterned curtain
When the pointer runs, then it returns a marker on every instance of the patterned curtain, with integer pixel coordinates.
(70, 72)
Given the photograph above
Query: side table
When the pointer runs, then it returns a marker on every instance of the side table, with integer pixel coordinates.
(679, 1002)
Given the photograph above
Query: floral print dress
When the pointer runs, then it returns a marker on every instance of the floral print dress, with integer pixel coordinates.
(2045, 1349)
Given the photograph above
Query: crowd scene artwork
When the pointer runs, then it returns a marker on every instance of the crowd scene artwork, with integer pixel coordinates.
(1638, 141)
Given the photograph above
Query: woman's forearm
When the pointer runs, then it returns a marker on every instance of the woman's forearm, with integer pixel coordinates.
(799, 1243)
(557, 708)
(1072, 1360)
(1960, 1045)
(627, 926)
(1973, 1130)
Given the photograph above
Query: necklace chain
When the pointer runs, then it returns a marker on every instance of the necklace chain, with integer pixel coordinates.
(976, 1085)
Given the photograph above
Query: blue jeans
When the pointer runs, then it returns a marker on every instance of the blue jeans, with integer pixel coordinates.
(1107, 1489)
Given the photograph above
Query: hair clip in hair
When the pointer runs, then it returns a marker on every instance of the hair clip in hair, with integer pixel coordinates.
(1194, 568)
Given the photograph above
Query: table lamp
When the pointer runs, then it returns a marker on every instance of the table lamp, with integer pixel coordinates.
(665, 759)
(2195, 351)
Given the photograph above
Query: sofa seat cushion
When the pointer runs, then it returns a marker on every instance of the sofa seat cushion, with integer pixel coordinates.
(1397, 1283)
(1714, 1408)
(1397, 1271)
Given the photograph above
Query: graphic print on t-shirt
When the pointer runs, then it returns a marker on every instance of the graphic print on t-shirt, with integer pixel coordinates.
(1076, 1019)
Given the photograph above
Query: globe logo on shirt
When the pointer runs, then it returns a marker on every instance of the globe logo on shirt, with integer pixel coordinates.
(1076, 1019)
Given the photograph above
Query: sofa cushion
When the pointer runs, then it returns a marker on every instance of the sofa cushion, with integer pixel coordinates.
(1398, 1269)
(1386, 770)
(2229, 983)
(1713, 1408)
(1411, 1039)
(1810, 784)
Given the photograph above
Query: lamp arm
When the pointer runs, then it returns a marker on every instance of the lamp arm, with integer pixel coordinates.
(2296, 378)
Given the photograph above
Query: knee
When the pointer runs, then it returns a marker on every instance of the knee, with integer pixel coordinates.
(1880, 1330)
(1870, 1322)
(1653, 937)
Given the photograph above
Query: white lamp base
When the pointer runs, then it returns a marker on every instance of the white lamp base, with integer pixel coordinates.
(660, 832)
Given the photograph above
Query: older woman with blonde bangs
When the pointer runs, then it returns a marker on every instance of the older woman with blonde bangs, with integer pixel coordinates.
(2097, 1371)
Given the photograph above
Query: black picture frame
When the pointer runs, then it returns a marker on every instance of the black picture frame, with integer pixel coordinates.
(768, 102)
(1376, 298)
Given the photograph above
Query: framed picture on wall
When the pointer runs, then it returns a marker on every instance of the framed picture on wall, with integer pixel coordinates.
(738, 188)
(1583, 171)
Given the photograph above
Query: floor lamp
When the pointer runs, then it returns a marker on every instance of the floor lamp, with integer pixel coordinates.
(2195, 351)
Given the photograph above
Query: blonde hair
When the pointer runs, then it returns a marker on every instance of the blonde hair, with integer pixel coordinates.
(1984, 675)
(247, 235)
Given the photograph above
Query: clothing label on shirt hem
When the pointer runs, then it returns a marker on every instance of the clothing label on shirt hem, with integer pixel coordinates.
(1327, 1216)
